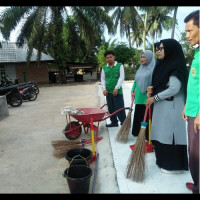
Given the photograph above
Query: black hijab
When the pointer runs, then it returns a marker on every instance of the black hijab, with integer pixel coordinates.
(172, 64)
(157, 45)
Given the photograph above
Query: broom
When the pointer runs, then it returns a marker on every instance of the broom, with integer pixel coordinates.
(62, 146)
(123, 133)
(136, 165)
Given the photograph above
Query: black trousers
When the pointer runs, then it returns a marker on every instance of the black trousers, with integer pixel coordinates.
(171, 157)
(193, 147)
(114, 103)
(138, 118)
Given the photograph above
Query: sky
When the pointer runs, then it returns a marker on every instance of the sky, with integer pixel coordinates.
(183, 11)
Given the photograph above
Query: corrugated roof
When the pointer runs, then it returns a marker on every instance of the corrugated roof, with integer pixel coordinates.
(10, 53)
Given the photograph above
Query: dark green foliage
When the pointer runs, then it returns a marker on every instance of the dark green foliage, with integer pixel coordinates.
(123, 53)
(129, 73)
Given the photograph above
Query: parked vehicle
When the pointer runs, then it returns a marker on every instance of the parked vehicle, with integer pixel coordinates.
(7, 82)
(12, 94)
(28, 93)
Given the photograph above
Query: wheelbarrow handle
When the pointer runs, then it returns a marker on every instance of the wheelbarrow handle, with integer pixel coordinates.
(103, 106)
(109, 115)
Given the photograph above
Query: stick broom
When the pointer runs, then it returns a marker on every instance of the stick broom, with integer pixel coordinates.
(136, 165)
(62, 146)
(123, 133)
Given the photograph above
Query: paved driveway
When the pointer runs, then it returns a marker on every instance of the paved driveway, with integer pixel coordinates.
(27, 164)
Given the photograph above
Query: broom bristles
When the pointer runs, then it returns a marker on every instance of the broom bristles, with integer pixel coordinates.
(136, 165)
(64, 142)
(123, 133)
(60, 151)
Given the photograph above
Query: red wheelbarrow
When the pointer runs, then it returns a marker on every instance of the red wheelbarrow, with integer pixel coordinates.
(73, 128)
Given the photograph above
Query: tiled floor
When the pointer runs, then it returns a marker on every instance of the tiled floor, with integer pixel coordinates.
(155, 181)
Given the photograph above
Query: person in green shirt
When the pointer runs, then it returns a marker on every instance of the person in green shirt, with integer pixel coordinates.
(143, 79)
(112, 77)
(191, 111)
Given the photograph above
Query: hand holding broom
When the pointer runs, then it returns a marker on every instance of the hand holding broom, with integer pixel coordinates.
(123, 133)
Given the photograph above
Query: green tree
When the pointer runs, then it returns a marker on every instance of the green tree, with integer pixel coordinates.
(100, 56)
(127, 17)
(156, 20)
(109, 45)
(187, 50)
(43, 27)
(174, 21)
(137, 58)
(123, 53)
(136, 37)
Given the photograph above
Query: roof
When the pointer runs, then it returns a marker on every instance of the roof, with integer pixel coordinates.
(11, 53)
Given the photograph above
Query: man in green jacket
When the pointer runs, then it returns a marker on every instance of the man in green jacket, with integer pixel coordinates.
(191, 111)
(112, 77)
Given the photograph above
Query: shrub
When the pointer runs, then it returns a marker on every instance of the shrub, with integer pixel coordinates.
(129, 73)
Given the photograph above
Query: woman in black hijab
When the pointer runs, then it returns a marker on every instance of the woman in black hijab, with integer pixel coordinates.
(168, 131)
(156, 47)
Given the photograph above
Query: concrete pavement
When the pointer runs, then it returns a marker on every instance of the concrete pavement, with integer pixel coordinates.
(27, 164)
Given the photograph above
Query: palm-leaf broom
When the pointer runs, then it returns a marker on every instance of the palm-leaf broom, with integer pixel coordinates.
(136, 165)
(62, 146)
(123, 133)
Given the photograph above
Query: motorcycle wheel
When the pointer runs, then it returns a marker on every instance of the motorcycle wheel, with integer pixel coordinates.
(33, 96)
(15, 100)
(36, 89)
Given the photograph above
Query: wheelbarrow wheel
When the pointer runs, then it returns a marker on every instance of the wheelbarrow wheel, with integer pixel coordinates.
(72, 135)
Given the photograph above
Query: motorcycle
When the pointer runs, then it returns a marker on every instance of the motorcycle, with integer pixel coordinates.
(28, 93)
(12, 94)
(33, 84)
(7, 82)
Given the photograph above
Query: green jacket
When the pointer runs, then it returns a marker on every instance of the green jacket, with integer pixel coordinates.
(140, 98)
(112, 75)
(192, 101)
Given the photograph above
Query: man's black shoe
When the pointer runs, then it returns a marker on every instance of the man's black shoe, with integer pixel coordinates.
(111, 125)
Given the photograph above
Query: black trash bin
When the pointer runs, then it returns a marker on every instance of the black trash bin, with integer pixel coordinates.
(80, 156)
(78, 178)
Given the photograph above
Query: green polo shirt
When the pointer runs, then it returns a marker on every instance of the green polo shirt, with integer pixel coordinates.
(192, 101)
(140, 98)
(112, 75)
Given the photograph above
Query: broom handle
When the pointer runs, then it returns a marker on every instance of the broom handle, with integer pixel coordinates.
(149, 95)
(145, 115)
(149, 124)
(92, 134)
(132, 102)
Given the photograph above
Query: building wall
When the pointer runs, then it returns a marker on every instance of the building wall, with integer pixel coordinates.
(32, 72)
(10, 71)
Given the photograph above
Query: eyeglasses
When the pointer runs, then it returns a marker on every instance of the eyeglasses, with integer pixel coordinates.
(160, 48)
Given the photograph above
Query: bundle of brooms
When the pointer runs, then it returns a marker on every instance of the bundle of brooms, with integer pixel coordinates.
(136, 165)
(62, 146)
(123, 133)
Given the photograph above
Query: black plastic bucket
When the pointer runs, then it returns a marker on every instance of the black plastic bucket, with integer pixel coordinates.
(80, 156)
(78, 178)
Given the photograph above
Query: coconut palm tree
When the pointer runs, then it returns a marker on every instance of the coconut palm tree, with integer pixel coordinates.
(43, 26)
(174, 21)
(155, 19)
(136, 37)
(126, 17)
(158, 20)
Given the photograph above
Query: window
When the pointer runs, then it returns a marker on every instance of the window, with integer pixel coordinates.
(2, 73)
